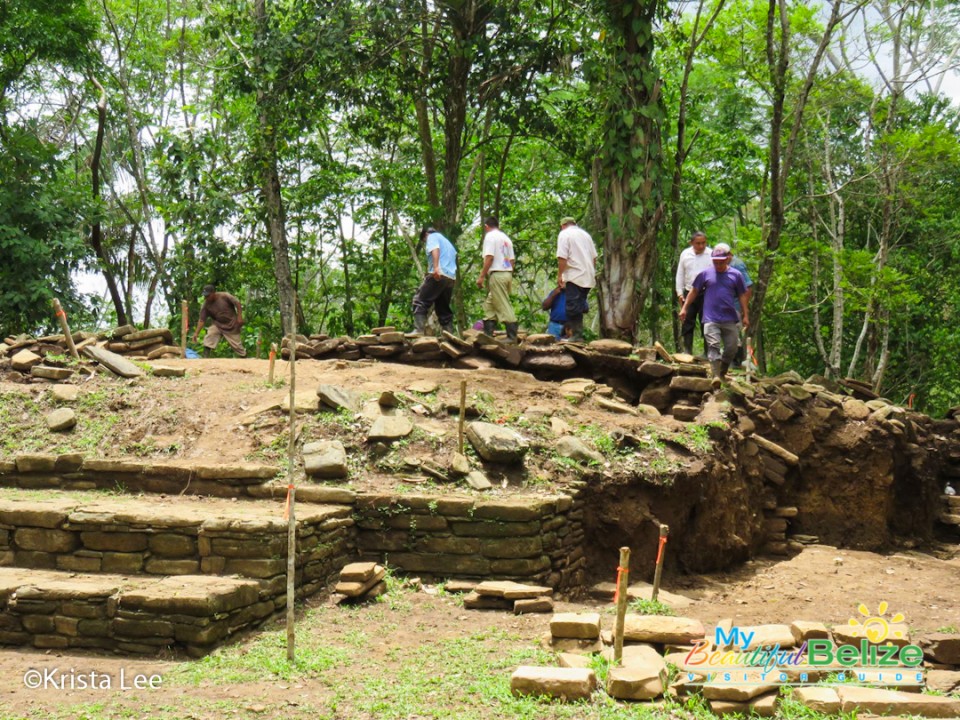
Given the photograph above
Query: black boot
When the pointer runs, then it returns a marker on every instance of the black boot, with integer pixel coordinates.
(512, 329)
(715, 371)
(724, 366)
(688, 343)
(206, 352)
(576, 330)
(448, 328)
(419, 323)
(489, 326)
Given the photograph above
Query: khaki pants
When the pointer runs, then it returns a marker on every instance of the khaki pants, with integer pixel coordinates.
(214, 334)
(497, 305)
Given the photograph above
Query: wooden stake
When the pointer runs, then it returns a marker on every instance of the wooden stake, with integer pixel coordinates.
(623, 581)
(273, 360)
(661, 548)
(463, 412)
(259, 342)
(291, 493)
(749, 359)
(184, 326)
(62, 317)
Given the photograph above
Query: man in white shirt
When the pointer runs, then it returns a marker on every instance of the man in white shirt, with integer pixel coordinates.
(576, 260)
(497, 270)
(693, 261)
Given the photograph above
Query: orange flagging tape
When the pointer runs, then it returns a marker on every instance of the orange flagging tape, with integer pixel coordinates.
(273, 354)
(621, 572)
(60, 313)
(663, 541)
(286, 507)
(753, 357)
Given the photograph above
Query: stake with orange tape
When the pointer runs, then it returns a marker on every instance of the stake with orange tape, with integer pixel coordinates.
(62, 317)
(273, 360)
(664, 534)
(620, 598)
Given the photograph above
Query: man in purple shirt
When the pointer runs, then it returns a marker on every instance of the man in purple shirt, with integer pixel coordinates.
(723, 289)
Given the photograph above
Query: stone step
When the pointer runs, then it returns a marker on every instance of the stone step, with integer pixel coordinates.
(49, 609)
(99, 532)
(76, 471)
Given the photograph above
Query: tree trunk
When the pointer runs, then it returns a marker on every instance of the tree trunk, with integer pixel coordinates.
(96, 233)
(266, 156)
(626, 176)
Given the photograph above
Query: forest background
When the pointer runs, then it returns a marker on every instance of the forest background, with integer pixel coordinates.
(275, 147)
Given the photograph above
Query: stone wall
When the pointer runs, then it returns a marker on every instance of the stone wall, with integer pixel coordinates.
(535, 539)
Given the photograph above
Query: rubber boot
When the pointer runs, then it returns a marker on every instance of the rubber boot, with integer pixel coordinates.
(419, 323)
(715, 372)
(688, 343)
(489, 326)
(512, 329)
(576, 331)
(207, 352)
(449, 328)
(723, 371)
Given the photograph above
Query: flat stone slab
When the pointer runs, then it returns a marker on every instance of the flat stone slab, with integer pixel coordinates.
(654, 369)
(894, 702)
(337, 398)
(576, 449)
(50, 373)
(303, 402)
(495, 443)
(687, 383)
(635, 683)
(768, 636)
(611, 347)
(61, 420)
(511, 590)
(24, 360)
(325, 459)
(897, 634)
(941, 647)
(581, 626)
(662, 629)
(554, 682)
(819, 699)
(743, 686)
(388, 428)
(168, 371)
(114, 363)
(478, 481)
(64, 393)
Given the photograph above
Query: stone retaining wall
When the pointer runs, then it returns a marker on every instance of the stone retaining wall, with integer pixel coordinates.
(533, 539)
(104, 537)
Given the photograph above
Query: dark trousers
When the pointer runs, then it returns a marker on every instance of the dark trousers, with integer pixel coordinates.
(576, 302)
(694, 316)
(437, 293)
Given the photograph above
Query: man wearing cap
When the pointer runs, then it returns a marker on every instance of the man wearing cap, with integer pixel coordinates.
(227, 315)
(722, 289)
(740, 266)
(436, 290)
(693, 261)
(497, 270)
(577, 260)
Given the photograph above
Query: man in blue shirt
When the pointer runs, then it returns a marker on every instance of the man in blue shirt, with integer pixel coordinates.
(723, 291)
(556, 303)
(436, 291)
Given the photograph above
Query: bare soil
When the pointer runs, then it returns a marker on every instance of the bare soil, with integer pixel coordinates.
(200, 417)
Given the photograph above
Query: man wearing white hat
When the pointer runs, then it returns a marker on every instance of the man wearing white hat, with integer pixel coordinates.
(722, 289)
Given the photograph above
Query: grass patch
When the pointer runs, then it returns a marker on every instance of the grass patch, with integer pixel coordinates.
(641, 606)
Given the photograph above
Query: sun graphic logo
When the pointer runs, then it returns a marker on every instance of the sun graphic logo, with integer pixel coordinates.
(877, 628)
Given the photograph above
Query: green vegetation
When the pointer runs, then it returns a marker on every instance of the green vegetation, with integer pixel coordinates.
(649, 607)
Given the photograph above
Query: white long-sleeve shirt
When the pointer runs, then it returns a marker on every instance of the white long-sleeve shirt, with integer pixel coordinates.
(689, 266)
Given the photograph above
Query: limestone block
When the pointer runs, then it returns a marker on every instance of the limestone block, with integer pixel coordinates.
(496, 443)
(560, 683)
(662, 629)
(819, 699)
(583, 626)
(635, 682)
(893, 702)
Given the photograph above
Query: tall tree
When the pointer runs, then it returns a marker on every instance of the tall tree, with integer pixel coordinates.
(627, 175)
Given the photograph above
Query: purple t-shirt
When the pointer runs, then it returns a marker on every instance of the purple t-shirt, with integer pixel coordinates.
(721, 294)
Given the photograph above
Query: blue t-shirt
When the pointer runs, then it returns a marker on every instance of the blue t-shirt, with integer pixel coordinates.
(558, 309)
(738, 264)
(448, 255)
(721, 293)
